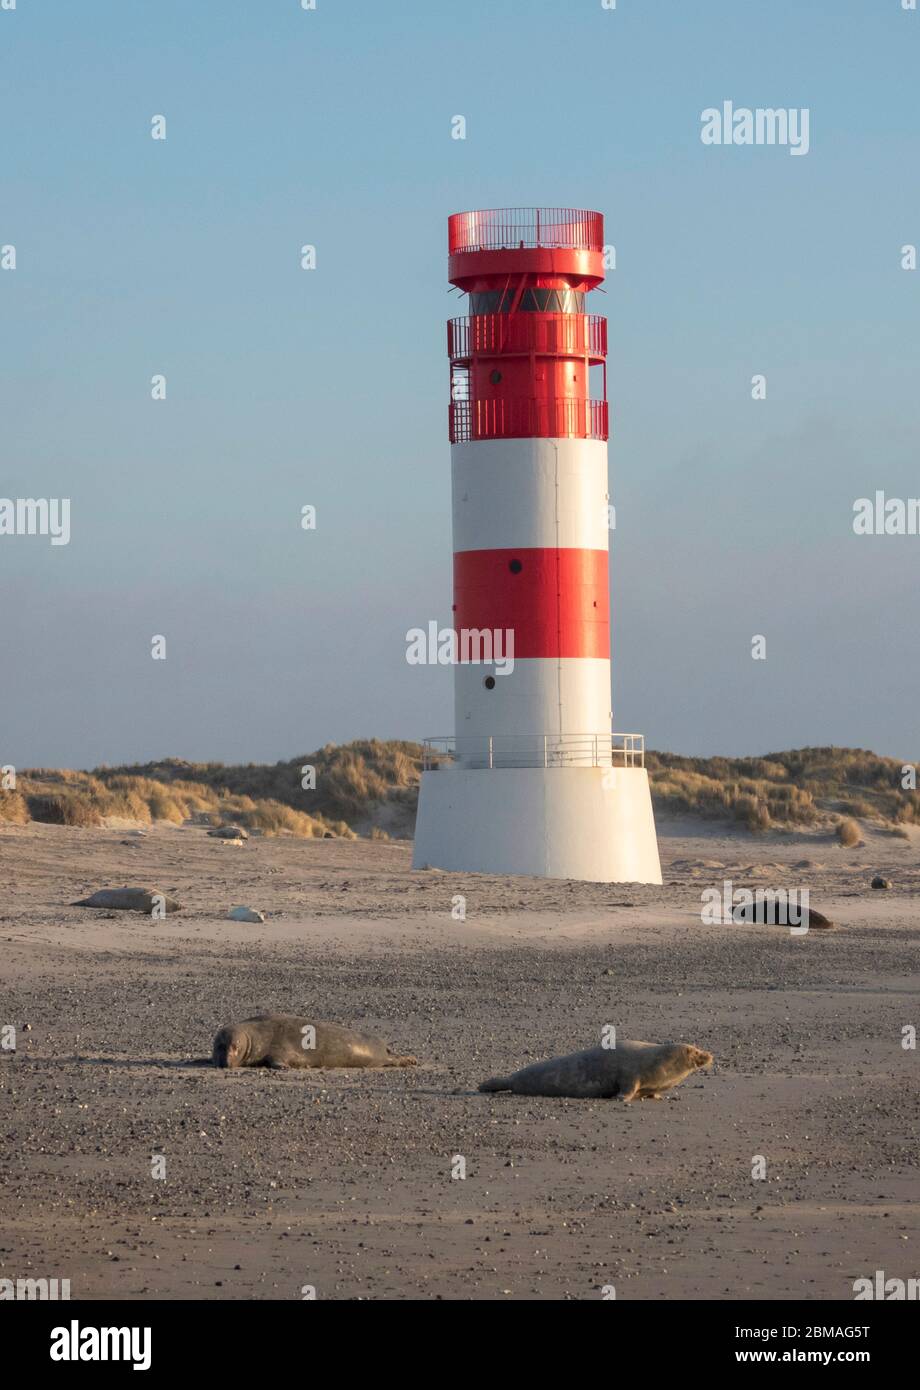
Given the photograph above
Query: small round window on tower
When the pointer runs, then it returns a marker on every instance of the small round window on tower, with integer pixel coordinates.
(489, 682)
(495, 377)
(515, 566)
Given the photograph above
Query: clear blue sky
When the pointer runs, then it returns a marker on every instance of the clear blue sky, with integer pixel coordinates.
(287, 387)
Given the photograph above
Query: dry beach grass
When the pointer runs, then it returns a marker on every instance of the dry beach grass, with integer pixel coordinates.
(370, 787)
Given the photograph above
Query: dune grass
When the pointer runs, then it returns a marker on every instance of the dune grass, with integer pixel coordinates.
(349, 777)
(13, 808)
(848, 833)
(83, 799)
(801, 787)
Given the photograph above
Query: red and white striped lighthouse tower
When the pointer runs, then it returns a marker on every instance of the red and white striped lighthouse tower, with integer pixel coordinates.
(533, 782)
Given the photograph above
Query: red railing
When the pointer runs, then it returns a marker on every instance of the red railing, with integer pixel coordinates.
(510, 229)
(555, 335)
(526, 418)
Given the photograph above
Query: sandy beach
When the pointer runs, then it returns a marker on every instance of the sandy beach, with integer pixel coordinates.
(342, 1181)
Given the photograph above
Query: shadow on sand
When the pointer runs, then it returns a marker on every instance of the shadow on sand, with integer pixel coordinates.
(196, 1064)
(122, 1063)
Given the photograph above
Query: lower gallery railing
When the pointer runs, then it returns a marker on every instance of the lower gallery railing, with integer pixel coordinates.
(535, 750)
(525, 418)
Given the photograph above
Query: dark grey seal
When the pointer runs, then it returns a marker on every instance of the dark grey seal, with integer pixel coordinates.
(630, 1071)
(282, 1041)
(129, 900)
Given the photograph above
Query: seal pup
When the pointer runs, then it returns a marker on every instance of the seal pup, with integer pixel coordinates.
(281, 1041)
(630, 1071)
(129, 900)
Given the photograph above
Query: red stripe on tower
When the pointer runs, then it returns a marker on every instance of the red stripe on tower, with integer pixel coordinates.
(556, 602)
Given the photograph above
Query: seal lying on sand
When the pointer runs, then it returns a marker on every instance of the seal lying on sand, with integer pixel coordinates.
(130, 900)
(629, 1071)
(783, 913)
(281, 1041)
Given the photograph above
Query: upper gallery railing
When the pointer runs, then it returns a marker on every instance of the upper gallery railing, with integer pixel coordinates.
(512, 229)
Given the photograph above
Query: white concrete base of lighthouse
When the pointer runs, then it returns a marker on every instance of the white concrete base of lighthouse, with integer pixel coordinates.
(590, 823)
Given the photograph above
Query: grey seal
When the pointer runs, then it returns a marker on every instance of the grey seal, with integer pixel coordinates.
(129, 900)
(630, 1071)
(282, 1041)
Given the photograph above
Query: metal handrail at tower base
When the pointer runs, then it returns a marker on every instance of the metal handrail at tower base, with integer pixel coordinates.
(535, 750)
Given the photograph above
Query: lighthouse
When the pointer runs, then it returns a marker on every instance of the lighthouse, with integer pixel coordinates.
(533, 780)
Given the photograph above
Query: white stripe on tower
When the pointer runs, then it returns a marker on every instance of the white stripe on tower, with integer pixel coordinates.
(511, 499)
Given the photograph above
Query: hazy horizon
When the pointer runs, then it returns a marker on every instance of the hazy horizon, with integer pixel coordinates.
(137, 257)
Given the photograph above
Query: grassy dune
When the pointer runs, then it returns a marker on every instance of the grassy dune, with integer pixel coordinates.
(805, 786)
(83, 798)
(360, 785)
